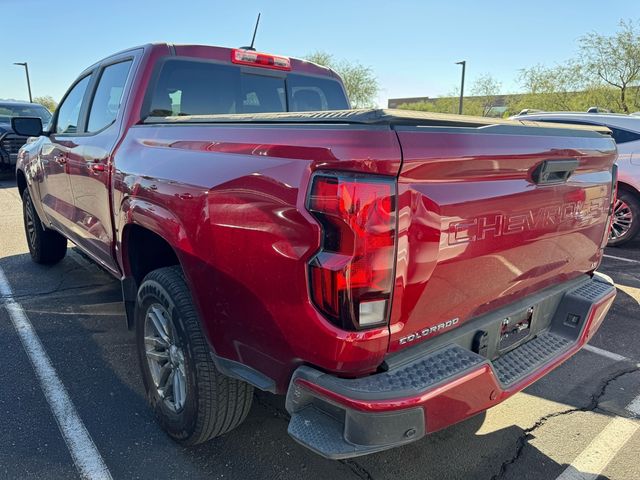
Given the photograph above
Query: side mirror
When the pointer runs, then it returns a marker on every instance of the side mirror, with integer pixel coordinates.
(27, 126)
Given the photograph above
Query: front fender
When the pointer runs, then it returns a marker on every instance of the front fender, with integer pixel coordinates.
(29, 165)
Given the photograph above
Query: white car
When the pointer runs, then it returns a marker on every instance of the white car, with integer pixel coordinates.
(625, 130)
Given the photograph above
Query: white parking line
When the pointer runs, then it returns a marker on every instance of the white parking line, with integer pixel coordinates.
(602, 449)
(606, 353)
(622, 259)
(86, 457)
(634, 407)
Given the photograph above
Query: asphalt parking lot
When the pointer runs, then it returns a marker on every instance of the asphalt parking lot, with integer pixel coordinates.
(579, 421)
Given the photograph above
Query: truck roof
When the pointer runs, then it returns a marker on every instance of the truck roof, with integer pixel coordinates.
(221, 54)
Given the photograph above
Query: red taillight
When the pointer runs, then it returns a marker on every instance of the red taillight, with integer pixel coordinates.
(352, 275)
(255, 59)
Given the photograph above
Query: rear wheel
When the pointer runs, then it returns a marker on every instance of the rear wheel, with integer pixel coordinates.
(45, 246)
(191, 400)
(626, 219)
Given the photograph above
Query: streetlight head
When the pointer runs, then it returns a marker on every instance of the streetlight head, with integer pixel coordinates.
(462, 62)
(22, 64)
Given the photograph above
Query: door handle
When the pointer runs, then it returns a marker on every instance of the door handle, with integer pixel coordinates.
(97, 167)
(554, 171)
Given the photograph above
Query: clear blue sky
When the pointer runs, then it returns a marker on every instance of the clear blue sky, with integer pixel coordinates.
(411, 45)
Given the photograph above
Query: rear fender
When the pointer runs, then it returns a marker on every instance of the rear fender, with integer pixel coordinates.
(156, 219)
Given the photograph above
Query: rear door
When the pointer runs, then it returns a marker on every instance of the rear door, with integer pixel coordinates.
(479, 228)
(58, 149)
(89, 172)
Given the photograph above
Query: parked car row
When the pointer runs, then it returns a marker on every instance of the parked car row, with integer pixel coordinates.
(625, 130)
(10, 143)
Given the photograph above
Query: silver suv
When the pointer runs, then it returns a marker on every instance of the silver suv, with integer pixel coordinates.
(625, 130)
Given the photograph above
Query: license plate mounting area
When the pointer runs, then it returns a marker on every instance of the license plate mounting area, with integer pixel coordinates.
(514, 329)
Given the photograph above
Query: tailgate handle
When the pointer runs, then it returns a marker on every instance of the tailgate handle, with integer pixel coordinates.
(554, 171)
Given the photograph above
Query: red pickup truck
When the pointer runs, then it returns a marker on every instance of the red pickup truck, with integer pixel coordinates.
(391, 272)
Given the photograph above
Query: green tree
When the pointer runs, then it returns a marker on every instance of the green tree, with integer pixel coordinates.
(359, 81)
(552, 88)
(614, 59)
(47, 101)
(487, 88)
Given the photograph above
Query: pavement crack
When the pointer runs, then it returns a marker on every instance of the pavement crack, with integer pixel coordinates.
(53, 291)
(592, 406)
(526, 435)
(357, 469)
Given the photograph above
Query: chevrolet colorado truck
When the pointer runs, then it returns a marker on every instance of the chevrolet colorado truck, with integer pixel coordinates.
(390, 272)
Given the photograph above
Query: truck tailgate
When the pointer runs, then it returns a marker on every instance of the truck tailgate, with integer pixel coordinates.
(485, 217)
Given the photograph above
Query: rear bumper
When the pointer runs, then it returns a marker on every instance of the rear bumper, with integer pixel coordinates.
(342, 418)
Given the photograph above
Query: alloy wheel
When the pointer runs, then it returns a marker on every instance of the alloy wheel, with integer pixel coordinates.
(30, 222)
(622, 220)
(165, 357)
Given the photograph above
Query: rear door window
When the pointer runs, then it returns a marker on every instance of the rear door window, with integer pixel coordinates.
(191, 87)
(108, 96)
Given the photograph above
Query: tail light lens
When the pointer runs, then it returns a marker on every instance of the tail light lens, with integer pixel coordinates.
(351, 277)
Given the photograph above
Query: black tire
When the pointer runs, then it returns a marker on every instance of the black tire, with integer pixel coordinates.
(627, 203)
(214, 403)
(45, 246)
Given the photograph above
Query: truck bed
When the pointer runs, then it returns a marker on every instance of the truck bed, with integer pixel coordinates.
(384, 117)
(475, 232)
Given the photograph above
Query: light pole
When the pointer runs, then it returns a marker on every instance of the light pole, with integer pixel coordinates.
(26, 69)
(464, 65)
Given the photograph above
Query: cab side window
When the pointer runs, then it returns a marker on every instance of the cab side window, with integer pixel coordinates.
(108, 96)
(69, 110)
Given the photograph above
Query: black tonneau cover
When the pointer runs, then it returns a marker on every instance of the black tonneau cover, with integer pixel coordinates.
(377, 117)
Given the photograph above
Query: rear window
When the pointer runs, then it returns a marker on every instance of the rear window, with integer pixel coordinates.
(190, 87)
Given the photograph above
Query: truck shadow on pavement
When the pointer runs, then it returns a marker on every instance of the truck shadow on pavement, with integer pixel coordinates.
(7, 179)
(77, 313)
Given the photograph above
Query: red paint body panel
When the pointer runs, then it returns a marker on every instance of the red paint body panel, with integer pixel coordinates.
(230, 200)
(475, 233)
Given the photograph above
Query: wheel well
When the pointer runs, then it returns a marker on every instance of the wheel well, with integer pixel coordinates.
(21, 180)
(628, 188)
(147, 251)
